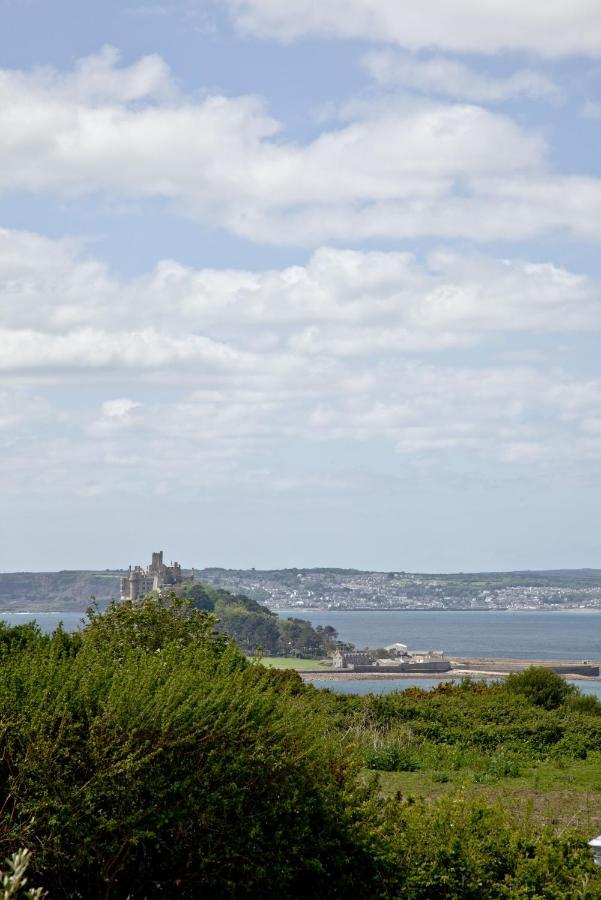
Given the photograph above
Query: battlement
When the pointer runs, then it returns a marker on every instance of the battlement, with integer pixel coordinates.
(154, 578)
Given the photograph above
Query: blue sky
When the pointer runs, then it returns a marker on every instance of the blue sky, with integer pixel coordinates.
(285, 283)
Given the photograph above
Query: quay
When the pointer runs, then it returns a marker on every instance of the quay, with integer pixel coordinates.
(479, 667)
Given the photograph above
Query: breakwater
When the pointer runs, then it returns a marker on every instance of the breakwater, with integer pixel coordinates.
(504, 666)
(459, 667)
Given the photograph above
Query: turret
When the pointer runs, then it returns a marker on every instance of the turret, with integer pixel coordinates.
(157, 561)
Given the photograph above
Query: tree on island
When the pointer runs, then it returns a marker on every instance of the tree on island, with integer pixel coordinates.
(257, 628)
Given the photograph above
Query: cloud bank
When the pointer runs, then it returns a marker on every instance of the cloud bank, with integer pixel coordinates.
(553, 29)
(60, 308)
(397, 169)
(446, 77)
(200, 371)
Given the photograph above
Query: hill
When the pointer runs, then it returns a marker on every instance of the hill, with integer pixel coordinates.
(66, 591)
(321, 587)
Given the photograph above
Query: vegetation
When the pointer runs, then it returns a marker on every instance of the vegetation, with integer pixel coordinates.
(256, 628)
(541, 687)
(295, 662)
(147, 757)
(487, 732)
(14, 881)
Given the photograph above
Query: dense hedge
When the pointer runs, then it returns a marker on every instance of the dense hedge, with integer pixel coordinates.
(146, 758)
(488, 719)
(154, 761)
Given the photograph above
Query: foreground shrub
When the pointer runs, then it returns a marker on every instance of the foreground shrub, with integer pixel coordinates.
(141, 768)
(464, 849)
(14, 881)
(474, 719)
(146, 758)
(540, 686)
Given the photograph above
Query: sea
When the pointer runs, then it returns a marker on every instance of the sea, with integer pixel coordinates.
(519, 634)
(522, 634)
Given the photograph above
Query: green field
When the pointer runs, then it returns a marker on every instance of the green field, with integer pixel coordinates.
(293, 662)
(564, 796)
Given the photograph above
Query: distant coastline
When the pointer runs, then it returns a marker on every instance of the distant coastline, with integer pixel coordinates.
(324, 609)
(329, 589)
(434, 609)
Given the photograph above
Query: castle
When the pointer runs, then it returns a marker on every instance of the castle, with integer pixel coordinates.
(140, 580)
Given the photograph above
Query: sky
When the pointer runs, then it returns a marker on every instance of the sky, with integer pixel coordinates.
(286, 283)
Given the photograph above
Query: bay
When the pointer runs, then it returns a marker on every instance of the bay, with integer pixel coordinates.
(495, 633)
(498, 633)
(47, 621)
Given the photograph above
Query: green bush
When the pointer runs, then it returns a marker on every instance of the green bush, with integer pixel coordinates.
(497, 766)
(540, 686)
(440, 777)
(584, 703)
(465, 849)
(157, 762)
(147, 758)
(391, 758)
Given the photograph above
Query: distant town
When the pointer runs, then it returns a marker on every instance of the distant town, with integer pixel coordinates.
(316, 588)
(350, 589)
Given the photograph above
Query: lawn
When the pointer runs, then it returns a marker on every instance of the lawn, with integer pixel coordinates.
(294, 662)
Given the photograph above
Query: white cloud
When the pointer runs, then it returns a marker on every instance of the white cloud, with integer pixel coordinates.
(120, 408)
(91, 349)
(554, 29)
(122, 128)
(452, 78)
(233, 436)
(100, 79)
(397, 169)
(232, 366)
(59, 310)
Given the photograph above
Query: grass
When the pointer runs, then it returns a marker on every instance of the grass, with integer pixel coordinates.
(565, 796)
(293, 662)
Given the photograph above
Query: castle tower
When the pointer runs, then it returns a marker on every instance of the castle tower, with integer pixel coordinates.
(157, 562)
(140, 581)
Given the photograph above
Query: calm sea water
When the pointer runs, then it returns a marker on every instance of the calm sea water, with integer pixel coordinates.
(524, 635)
(47, 621)
(527, 635)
